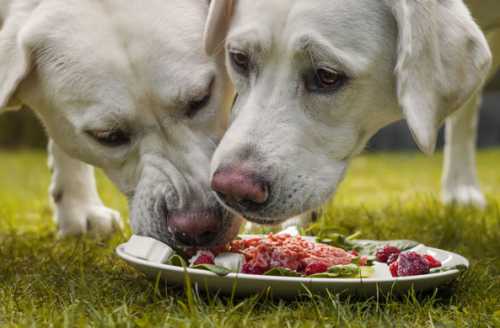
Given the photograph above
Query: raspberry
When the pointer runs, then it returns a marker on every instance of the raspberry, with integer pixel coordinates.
(203, 257)
(316, 267)
(252, 269)
(432, 261)
(383, 253)
(363, 260)
(412, 264)
(354, 253)
(394, 268)
(392, 258)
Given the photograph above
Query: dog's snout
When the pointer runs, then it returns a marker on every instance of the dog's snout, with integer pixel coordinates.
(240, 187)
(195, 228)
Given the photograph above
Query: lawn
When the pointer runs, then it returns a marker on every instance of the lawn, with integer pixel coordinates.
(46, 282)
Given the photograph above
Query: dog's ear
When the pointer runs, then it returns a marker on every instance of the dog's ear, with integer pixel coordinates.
(443, 58)
(218, 21)
(15, 57)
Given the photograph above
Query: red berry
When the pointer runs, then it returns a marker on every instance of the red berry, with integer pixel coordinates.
(432, 261)
(316, 267)
(252, 269)
(354, 253)
(363, 260)
(393, 267)
(383, 253)
(392, 258)
(203, 257)
(412, 264)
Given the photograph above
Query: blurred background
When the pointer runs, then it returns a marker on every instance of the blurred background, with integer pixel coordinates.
(23, 130)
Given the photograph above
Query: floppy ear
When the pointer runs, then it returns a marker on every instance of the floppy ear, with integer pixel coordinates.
(219, 19)
(443, 58)
(14, 59)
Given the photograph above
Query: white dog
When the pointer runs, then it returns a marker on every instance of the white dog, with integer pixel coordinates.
(124, 86)
(317, 79)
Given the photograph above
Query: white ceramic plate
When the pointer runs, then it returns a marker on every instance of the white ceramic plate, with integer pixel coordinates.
(245, 284)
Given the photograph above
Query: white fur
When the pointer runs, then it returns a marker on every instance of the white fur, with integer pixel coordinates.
(417, 60)
(98, 65)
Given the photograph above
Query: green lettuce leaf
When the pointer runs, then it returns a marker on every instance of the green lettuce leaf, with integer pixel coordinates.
(366, 271)
(369, 247)
(218, 270)
(282, 272)
(346, 271)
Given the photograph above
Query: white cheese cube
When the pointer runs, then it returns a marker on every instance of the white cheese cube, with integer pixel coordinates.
(231, 261)
(148, 249)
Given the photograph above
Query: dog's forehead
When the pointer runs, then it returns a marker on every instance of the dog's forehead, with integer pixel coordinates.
(138, 45)
(359, 25)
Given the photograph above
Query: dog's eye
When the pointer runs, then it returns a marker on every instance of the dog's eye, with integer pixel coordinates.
(325, 80)
(110, 138)
(198, 104)
(240, 61)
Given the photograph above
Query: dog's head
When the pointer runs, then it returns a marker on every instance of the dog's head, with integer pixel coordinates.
(126, 86)
(316, 79)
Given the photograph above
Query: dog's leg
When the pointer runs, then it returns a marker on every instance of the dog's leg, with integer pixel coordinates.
(78, 208)
(460, 183)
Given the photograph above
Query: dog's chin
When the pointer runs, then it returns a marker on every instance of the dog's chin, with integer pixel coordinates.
(264, 220)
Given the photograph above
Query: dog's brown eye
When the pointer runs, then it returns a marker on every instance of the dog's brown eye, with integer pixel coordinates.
(328, 78)
(241, 61)
(325, 80)
(110, 138)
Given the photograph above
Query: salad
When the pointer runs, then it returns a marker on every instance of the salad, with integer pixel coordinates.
(285, 255)
(290, 255)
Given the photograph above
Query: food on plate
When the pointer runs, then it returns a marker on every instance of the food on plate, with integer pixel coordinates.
(290, 252)
(433, 262)
(412, 264)
(232, 261)
(282, 254)
(384, 253)
(148, 249)
(290, 255)
(202, 257)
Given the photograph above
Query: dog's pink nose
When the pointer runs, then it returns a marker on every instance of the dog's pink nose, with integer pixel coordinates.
(237, 186)
(195, 228)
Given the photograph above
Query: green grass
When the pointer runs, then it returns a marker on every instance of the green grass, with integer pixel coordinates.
(46, 282)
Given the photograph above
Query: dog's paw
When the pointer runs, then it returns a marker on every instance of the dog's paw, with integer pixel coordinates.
(465, 195)
(97, 221)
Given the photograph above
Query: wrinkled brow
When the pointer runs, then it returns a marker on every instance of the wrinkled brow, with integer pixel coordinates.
(251, 39)
(322, 50)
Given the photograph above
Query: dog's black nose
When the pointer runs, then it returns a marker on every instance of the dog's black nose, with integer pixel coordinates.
(240, 188)
(195, 228)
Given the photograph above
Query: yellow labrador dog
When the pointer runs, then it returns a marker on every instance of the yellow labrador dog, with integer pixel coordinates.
(124, 86)
(317, 79)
